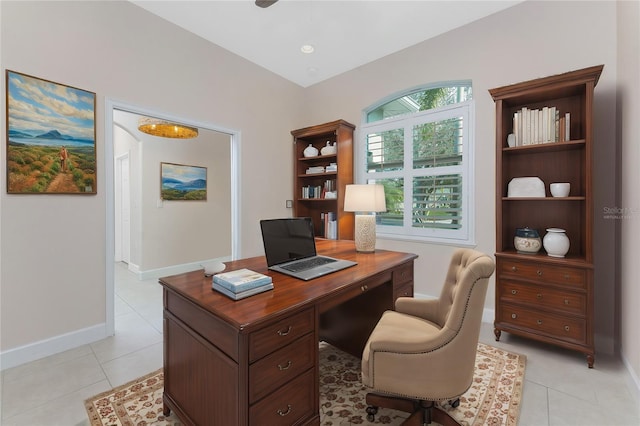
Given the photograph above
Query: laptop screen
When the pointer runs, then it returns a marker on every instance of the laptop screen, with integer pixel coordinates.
(287, 239)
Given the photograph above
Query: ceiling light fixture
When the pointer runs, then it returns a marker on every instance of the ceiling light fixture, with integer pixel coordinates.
(307, 48)
(166, 129)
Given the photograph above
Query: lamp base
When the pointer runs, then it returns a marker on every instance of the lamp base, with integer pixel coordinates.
(365, 230)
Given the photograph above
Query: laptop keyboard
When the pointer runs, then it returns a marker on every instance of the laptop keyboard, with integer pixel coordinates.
(307, 264)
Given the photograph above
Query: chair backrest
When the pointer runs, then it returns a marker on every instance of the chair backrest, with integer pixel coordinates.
(464, 288)
(460, 310)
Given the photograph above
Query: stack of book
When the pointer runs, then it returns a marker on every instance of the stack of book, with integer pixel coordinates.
(241, 283)
(315, 169)
(545, 125)
(330, 225)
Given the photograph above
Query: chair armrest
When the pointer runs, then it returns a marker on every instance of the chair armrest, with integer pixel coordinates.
(421, 308)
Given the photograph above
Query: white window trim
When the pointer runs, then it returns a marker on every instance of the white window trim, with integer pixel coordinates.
(462, 237)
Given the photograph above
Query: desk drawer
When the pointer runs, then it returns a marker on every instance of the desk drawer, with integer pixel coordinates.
(573, 277)
(403, 274)
(280, 334)
(405, 290)
(543, 297)
(288, 405)
(281, 366)
(557, 326)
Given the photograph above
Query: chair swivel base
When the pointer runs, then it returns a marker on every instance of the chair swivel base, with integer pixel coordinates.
(421, 412)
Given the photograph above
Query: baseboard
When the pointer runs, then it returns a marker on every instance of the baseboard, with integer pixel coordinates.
(634, 380)
(174, 269)
(54, 345)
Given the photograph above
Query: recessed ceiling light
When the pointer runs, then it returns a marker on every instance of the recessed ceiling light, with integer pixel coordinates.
(307, 48)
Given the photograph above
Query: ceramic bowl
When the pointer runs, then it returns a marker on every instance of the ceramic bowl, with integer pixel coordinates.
(213, 267)
(560, 189)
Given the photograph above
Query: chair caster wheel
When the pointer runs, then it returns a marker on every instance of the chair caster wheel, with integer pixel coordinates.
(371, 413)
(455, 403)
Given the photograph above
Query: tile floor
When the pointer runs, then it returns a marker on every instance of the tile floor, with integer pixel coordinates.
(559, 388)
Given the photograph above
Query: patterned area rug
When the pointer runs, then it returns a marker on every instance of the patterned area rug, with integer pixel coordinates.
(493, 399)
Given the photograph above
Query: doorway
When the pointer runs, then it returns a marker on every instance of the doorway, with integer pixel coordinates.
(123, 197)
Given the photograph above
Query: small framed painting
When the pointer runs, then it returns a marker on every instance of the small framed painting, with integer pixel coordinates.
(51, 137)
(181, 182)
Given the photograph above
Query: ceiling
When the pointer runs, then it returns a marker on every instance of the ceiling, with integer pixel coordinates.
(345, 34)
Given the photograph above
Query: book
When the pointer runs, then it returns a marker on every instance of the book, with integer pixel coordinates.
(243, 294)
(241, 280)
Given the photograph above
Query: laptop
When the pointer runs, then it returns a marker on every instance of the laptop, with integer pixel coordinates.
(290, 248)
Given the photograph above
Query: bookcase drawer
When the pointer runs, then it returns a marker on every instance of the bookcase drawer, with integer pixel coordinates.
(573, 277)
(281, 366)
(542, 297)
(280, 333)
(289, 405)
(556, 326)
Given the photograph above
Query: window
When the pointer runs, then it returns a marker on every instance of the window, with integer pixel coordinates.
(418, 145)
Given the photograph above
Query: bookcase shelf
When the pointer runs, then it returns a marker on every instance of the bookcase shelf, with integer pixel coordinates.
(340, 133)
(541, 297)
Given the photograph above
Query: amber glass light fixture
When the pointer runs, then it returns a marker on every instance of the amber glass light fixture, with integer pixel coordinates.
(166, 129)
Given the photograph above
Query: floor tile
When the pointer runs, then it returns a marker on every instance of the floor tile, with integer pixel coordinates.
(133, 365)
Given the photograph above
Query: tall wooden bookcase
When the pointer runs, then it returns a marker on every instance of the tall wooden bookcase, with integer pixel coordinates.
(546, 298)
(318, 205)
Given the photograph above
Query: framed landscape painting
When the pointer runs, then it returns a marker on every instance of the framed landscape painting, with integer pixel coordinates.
(180, 182)
(51, 137)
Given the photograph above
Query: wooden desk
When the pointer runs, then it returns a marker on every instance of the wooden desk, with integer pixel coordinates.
(255, 361)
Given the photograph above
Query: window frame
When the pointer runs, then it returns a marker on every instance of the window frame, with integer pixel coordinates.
(464, 236)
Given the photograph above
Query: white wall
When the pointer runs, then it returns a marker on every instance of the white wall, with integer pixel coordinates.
(186, 231)
(53, 246)
(629, 128)
(161, 228)
(530, 40)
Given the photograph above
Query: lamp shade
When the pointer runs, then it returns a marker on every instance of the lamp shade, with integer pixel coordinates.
(364, 198)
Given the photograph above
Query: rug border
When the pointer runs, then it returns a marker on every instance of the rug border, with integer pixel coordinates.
(91, 409)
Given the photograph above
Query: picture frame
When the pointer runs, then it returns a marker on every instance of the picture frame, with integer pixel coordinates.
(51, 137)
(180, 182)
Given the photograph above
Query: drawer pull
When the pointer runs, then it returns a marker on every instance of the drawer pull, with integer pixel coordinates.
(286, 367)
(514, 269)
(514, 292)
(566, 301)
(364, 287)
(567, 276)
(284, 413)
(539, 272)
(539, 322)
(284, 332)
(566, 328)
(539, 295)
(514, 316)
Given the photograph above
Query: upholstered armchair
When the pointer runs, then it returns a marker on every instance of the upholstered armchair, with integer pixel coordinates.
(425, 350)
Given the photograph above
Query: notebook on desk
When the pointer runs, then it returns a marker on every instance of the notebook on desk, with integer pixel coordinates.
(290, 248)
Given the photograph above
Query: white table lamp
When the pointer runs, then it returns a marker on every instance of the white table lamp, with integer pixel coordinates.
(365, 200)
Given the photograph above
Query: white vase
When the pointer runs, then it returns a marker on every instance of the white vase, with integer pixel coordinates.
(310, 151)
(328, 149)
(556, 242)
